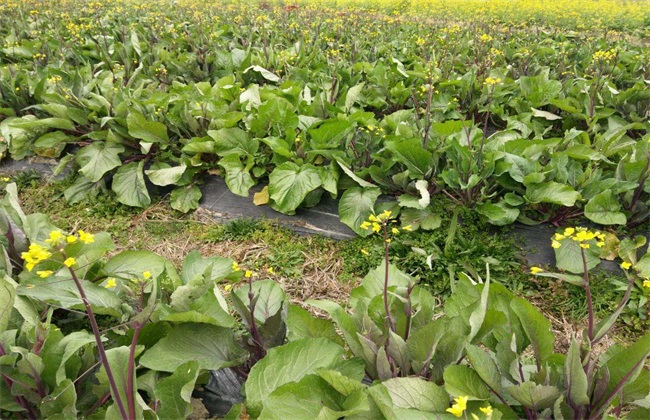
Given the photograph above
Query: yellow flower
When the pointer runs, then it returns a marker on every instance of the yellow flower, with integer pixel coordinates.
(44, 273)
(626, 265)
(555, 244)
(86, 238)
(110, 283)
(373, 218)
(6, 179)
(146, 275)
(35, 255)
(385, 215)
(71, 239)
(248, 274)
(558, 237)
(376, 227)
(486, 410)
(235, 266)
(365, 225)
(364, 252)
(585, 246)
(459, 407)
(270, 270)
(70, 262)
(407, 228)
(646, 283)
(227, 287)
(55, 237)
(569, 231)
(535, 270)
(395, 231)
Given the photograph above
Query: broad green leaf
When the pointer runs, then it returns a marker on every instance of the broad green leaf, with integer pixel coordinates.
(420, 219)
(128, 265)
(204, 309)
(553, 193)
(7, 297)
(118, 360)
(185, 199)
(461, 380)
(175, 392)
(418, 394)
(233, 141)
(352, 96)
(98, 158)
(533, 396)
(485, 367)
(411, 153)
(478, 314)
(129, 185)
(536, 327)
(302, 324)
(568, 257)
(355, 178)
(289, 363)
(343, 321)
(341, 383)
(212, 347)
(330, 134)
(643, 266)
(61, 401)
(356, 205)
(70, 345)
(289, 184)
(264, 73)
(238, 178)
(422, 344)
(270, 300)
(545, 114)
(63, 292)
(624, 367)
(575, 377)
(499, 214)
(605, 209)
(162, 174)
(146, 130)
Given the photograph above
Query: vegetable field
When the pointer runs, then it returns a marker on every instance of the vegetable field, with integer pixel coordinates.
(428, 120)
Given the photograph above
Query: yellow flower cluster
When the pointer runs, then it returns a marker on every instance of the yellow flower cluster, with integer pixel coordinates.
(485, 38)
(35, 255)
(491, 81)
(604, 56)
(581, 235)
(459, 407)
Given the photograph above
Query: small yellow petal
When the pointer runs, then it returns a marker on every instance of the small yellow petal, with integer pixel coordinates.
(70, 262)
(146, 275)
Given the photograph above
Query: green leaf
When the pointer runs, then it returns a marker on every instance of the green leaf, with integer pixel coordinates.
(233, 141)
(624, 367)
(411, 153)
(485, 367)
(356, 205)
(162, 174)
(553, 193)
(461, 380)
(62, 292)
(7, 297)
(270, 300)
(422, 344)
(129, 185)
(418, 394)
(302, 324)
(575, 377)
(536, 327)
(118, 360)
(61, 401)
(149, 131)
(605, 209)
(69, 345)
(264, 73)
(533, 396)
(499, 214)
(352, 96)
(289, 363)
(98, 158)
(174, 392)
(341, 383)
(131, 264)
(185, 199)
(205, 309)
(643, 266)
(568, 257)
(545, 114)
(238, 178)
(329, 134)
(289, 184)
(420, 219)
(355, 178)
(212, 347)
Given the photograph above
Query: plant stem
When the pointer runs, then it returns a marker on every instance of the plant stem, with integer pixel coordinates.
(130, 391)
(100, 345)
(386, 307)
(590, 306)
